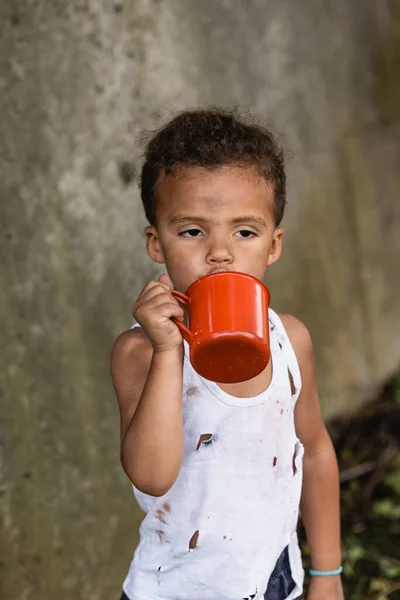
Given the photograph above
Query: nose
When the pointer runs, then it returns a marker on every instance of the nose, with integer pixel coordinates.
(219, 253)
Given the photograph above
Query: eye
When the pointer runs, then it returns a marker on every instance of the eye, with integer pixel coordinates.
(245, 233)
(191, 233)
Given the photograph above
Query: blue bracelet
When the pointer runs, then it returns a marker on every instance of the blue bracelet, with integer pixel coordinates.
(324, 573)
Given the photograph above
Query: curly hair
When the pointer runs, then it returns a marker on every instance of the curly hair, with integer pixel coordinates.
(212, 138)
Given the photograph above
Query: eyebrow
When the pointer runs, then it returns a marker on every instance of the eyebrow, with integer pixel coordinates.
(237, 221)
(249, 219)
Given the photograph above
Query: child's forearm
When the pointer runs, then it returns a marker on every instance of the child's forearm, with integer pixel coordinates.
(320, 506)
(152, 448)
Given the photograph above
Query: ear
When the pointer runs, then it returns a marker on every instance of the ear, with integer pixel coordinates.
(276, 245)
(153, 246)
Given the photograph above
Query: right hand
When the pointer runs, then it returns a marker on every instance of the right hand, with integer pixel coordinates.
(153, 311)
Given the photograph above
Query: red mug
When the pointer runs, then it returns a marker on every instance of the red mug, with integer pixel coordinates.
(228, 332)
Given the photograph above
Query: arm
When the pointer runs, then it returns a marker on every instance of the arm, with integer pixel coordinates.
(147, 377)
(319, 505)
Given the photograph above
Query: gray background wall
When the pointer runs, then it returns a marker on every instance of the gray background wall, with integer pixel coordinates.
(79, 81)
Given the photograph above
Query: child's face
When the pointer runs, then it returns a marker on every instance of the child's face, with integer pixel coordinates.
(214, 220)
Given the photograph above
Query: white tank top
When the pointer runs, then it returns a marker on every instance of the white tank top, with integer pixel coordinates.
(219, 531)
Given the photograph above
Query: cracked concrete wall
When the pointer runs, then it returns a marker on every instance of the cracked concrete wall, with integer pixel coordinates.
(79, 81)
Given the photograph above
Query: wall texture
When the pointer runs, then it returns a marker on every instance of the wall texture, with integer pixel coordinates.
(79, 81)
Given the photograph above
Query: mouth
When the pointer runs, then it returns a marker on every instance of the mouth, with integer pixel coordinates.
(218, 271)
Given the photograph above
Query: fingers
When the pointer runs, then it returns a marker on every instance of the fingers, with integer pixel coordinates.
(158, 309)
(166, 280)
(163, 281)
(160, 300)
(155, 309)
(154, 295)
(152, 289)
(169, 309)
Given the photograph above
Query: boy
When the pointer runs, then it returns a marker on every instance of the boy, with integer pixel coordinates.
(219, 468)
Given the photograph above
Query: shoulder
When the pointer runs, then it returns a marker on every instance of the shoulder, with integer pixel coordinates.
(133, 347)
(132, 341)
(130, 361)
(299, 337)
(309, 422)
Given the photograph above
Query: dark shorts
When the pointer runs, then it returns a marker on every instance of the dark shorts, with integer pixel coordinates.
(280, 584)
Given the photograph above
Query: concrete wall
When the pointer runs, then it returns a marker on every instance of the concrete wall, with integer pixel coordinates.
(79, 81)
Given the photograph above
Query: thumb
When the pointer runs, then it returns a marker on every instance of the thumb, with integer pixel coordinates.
(166, 280)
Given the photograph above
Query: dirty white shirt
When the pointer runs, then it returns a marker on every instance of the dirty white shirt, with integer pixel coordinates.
(218, 532)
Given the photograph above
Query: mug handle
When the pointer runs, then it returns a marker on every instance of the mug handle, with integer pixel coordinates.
(185, 300)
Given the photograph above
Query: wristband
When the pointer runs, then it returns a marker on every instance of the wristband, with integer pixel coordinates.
(315, 573)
